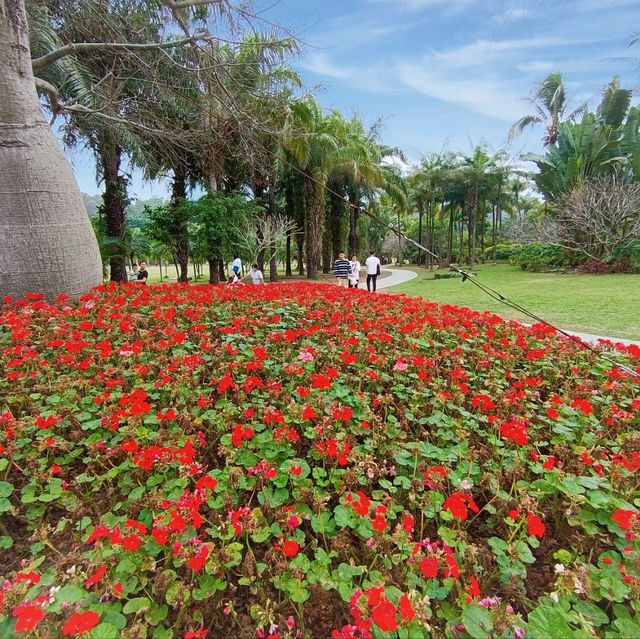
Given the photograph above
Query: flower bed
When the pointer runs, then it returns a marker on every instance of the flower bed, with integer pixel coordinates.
(297, 460)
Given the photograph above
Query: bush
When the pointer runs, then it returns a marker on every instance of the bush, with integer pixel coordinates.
(503, 251)
(627, 254)
(540, 257)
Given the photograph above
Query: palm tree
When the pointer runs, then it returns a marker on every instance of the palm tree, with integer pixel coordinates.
(549, 99)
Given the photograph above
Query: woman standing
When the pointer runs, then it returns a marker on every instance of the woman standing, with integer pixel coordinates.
(354, 273)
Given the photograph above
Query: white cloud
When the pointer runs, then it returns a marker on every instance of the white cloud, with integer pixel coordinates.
(421, 4)
(537, 67)
(485, 96)
(483, 52)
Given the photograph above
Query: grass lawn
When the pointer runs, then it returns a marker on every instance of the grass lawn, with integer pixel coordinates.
(601, 304)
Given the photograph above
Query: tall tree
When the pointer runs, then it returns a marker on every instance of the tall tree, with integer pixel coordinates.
(549, 100)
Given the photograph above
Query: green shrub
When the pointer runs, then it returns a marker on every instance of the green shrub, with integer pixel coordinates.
(503, 251)
(538, 257)
(628, 253)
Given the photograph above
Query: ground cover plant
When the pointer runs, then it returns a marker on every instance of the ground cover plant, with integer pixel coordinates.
(299, 461)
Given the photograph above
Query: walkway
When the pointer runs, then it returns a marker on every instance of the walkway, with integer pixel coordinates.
(593, 339)
(401, 276)
(398, 276)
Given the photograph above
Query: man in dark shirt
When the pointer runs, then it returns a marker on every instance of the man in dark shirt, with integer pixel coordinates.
(342, 268)
(143, 274)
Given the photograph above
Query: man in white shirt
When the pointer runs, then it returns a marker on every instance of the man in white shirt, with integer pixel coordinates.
(373, 270)
(256, 275)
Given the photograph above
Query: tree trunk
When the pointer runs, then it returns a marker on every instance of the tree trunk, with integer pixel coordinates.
(354, 240)
(287, 259)
(494, 220)
(214, 277)
(314, 228)
(47, 242)
(420, 214)
(114, 201)
(300, 246)
(181, 239)
(221, 274)
(326, 251)
(335, 225)
(450, 233)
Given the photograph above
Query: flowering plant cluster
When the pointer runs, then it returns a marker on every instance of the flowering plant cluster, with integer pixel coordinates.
(291, 461)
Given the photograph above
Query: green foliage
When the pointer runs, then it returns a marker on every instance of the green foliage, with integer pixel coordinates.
(217, 222)
(602, 143)
(539, 257)
(503, 251)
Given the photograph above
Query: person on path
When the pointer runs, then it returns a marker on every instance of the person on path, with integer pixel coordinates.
(256, 275)
(354, 274)
(342, 269)
(143, 274)
(236, 265)
(133, 273)
(373, 270)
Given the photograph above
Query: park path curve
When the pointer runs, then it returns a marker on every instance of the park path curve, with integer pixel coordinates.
(401, 276)
(398, 276)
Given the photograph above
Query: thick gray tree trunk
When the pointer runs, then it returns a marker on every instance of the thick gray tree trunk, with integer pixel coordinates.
(47, 243)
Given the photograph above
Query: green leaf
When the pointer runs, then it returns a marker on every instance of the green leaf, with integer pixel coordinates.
(323, 523)
(477, 622)
(5, 488)
(6, 542)
(70, 594)
(5, 505)
(627, 627)
(548, 623)
(137, 604)
(104, 631)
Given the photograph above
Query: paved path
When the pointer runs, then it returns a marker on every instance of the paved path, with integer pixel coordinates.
(398, 276)
(401, 276)
(593, 339)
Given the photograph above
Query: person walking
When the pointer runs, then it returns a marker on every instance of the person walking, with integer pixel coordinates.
(373, 270)
(256, 275)
(354, 274)
(342, 269)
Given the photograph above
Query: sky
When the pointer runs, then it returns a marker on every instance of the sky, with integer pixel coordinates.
(444, 74)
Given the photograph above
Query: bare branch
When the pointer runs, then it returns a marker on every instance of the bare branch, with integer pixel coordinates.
(79, 47)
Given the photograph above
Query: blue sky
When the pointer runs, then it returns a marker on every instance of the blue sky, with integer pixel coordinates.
(446, 73)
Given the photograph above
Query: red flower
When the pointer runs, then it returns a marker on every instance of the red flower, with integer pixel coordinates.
(309, 412)
(458, 504)
(515, 430)
(80, 622)
(553, 413)
(535, 526)
(429, 567)
(408, 522)
(198, 561)
(27, 616)
(624, 518)
(290, 548)
(405, 608)
(379, 523)
(384, 616)
(583, 405)
(31, 577)
(200, 633)
(473, 588)
(96, 577)
(295, 470)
